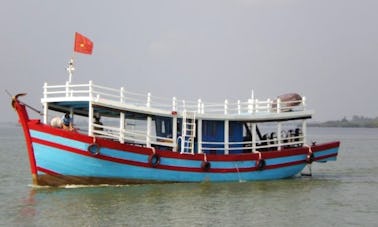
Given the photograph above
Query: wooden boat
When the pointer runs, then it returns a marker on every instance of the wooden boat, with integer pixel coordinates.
(146, 139)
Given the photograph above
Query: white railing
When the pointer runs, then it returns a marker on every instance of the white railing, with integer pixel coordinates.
(293, 141)
(123, 96)
(139, 137)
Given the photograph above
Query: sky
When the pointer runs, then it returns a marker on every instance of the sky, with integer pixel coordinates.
(325, 50)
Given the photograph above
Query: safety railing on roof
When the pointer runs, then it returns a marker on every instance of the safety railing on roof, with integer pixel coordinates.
(123, 96)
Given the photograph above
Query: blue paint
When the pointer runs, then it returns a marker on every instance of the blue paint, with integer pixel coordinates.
(68, 163)
(332, 151)
(59, 140)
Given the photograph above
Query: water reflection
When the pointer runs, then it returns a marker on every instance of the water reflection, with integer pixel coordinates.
(205, 204)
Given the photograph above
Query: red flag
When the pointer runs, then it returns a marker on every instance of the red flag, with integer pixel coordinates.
(83, 44)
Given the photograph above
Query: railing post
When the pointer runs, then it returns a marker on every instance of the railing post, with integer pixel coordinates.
(225, 107)
(90, 89)
(67, 88)
(122, 98)
(121, 127)
(239, 107)
(174, 104)
(183, 106)
(250, 105)
(148, 99)
(45, 104)
(199, 106)
(304, 103)
(278, 105)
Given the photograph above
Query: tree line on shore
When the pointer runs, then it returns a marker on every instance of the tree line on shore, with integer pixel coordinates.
(356, 121)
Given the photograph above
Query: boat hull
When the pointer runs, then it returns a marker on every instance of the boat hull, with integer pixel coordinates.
(63, 157)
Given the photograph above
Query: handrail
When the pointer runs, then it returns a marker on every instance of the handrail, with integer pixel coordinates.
(123, 96)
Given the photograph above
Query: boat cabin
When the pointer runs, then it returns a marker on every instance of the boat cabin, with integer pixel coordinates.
(180, 126)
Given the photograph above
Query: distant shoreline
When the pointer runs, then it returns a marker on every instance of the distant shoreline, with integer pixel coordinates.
(355, 122)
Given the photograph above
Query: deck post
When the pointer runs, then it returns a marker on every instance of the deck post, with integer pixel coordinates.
(199, 136)
(121, 127)
(45, 112)
(148, 135)
(90, 110)
(279, 129)
(174, 132)
(174, 123)
(254, 134)
(226, 136)
(304, 131)
(45, 104)
(122, 117)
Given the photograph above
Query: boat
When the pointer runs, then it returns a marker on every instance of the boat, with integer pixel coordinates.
(116, 136)
(146, 139)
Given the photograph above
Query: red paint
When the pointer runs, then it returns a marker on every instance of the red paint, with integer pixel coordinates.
(24, 120)
(167, 167)
(38, 126)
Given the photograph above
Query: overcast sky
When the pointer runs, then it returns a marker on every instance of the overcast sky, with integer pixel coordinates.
(326, 50)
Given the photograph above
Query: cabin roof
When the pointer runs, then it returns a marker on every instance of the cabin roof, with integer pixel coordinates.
(110, 102)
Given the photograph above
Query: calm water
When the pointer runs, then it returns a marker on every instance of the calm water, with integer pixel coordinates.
(341, 193)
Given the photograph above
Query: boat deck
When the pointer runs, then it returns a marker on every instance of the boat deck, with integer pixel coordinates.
(60, 97)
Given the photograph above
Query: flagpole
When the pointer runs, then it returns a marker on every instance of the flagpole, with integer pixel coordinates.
(71, 68)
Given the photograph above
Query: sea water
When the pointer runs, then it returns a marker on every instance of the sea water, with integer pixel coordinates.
(341, 193)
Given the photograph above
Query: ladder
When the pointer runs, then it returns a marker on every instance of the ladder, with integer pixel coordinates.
(188, 132)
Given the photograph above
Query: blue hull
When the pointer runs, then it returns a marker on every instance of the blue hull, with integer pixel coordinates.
(62, 157)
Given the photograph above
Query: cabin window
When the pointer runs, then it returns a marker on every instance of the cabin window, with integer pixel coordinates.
(163, 126)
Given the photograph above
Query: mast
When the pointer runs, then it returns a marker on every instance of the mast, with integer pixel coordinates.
(70, 69)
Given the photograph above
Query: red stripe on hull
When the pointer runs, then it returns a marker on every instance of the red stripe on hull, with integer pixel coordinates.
(147, 151)
(166, 167)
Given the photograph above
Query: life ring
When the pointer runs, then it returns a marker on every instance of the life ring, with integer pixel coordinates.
(154, 160)
(260, 164)
(205, 166)
(310, 158)
(94, 149)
